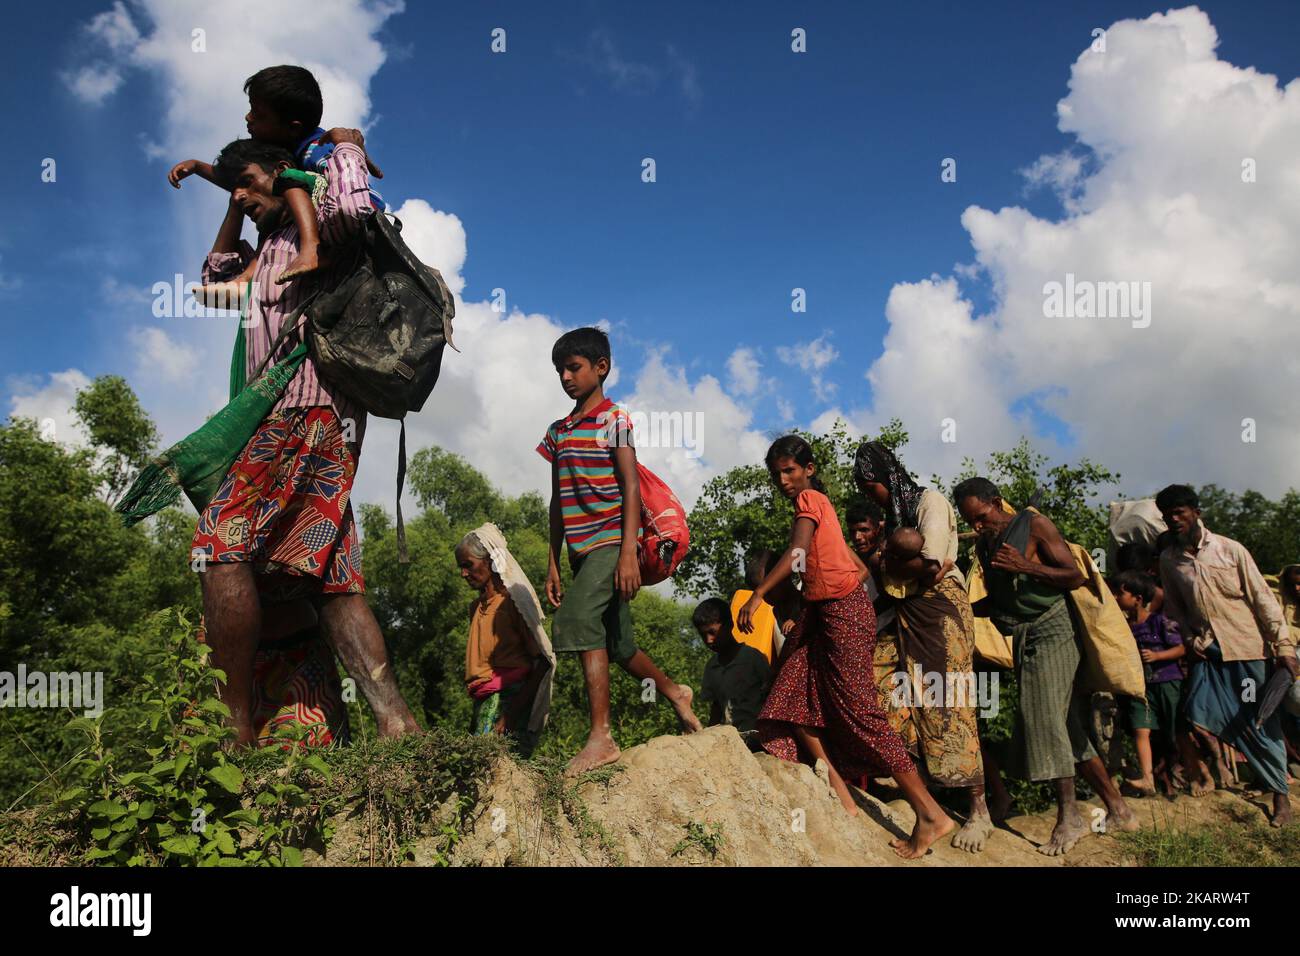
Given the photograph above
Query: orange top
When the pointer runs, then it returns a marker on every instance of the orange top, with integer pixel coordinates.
(761, 637)
(829, 571)
(499, 639)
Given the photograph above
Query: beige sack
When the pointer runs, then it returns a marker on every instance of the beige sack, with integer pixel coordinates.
(990, 643)
(1111, 659)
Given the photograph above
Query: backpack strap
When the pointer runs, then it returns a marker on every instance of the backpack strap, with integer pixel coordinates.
(402, 556)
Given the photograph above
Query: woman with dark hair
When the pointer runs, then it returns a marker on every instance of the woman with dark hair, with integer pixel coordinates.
(823, 701)
(935, 631)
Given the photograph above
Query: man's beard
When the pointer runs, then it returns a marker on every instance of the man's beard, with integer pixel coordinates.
(1192, 536)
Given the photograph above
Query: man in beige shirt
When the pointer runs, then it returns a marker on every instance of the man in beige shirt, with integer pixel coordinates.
(1232, 624)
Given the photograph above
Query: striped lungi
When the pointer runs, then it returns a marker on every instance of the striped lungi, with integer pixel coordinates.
(1051, 716)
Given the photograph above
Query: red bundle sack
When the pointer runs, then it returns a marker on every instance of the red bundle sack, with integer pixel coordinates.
(664, 536)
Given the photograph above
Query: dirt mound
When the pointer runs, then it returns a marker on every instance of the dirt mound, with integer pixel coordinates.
(704, 799)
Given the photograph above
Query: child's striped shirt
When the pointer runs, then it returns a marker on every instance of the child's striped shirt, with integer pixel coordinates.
(582, 450)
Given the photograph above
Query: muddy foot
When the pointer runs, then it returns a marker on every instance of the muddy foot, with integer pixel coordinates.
(923, 834)
(1065, 835)
(1201, 787)
(600, 750)
(304, 263)
(1281, 811)
(973, 834)
(1121, 817)
(1139, 788)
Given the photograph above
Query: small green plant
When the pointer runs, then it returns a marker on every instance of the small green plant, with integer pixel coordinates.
(174, 794)
(707, 837)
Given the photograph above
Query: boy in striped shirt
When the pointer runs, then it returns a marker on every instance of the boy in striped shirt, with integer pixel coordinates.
(596, 511)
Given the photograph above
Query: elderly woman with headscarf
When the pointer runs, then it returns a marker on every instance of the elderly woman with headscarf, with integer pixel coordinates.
(509, 664)
(935, 631)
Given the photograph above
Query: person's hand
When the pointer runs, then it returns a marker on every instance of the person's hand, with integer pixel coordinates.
(1288, 662)
(787, 627)
(745, 619)
(499, 728)
(186, 167)
(341, 134)
(554, 587)
(1009, 559)
(1192, 652)
(627, 575)
(1148, 655)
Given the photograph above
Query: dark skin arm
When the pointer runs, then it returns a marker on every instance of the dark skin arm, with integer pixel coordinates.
(1168, 654)
(1047, 558)
(227, 239)
(554, 587)
(627, 575)
(800, 540)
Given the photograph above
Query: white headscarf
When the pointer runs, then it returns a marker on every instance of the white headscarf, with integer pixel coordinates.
(520, 591)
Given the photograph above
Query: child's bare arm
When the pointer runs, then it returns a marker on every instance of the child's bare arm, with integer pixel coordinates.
(800, 539)
(191, 167)
(627, 575)
(553, 590)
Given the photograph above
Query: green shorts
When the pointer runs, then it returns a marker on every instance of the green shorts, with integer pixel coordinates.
(592, 616)
(1159, 710)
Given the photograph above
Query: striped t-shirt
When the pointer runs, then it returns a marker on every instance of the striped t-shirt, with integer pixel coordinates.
(582, 450)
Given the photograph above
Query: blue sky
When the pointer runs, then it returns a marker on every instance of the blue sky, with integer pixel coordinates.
(774, 171)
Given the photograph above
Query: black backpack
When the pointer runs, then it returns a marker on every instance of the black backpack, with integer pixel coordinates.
(377, 335)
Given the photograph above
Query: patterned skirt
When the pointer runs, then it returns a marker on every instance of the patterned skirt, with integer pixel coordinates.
(296, 687)
(284, 506)
(937, 639)
(826, 682)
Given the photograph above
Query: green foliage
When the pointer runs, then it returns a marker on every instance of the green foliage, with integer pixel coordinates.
(111, 414)
(169, 793)
(705, 837)
(1070, 493)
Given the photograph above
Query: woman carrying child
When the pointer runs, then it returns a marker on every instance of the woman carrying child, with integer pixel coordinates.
(823, 699)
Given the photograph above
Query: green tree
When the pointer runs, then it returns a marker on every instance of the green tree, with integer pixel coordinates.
(119, 428)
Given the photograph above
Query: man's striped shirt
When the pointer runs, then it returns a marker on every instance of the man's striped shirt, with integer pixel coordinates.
(342, 214)
(582, 451)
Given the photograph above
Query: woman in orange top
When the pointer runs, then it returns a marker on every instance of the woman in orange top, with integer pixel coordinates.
(506, 656)
(823, 700)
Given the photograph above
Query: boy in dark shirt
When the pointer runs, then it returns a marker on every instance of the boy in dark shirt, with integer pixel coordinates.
(1161, 647)
(737, 678)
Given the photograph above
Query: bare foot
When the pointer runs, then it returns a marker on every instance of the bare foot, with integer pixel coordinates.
(924, 833)
(682, 704)
(228, 296)
(398, 727)
(1120, 817)
(974, 832)
(1143, 787)
(1200, 787)
(304, 262)
(1065, 835)
(600, 750)
(1281, 811)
